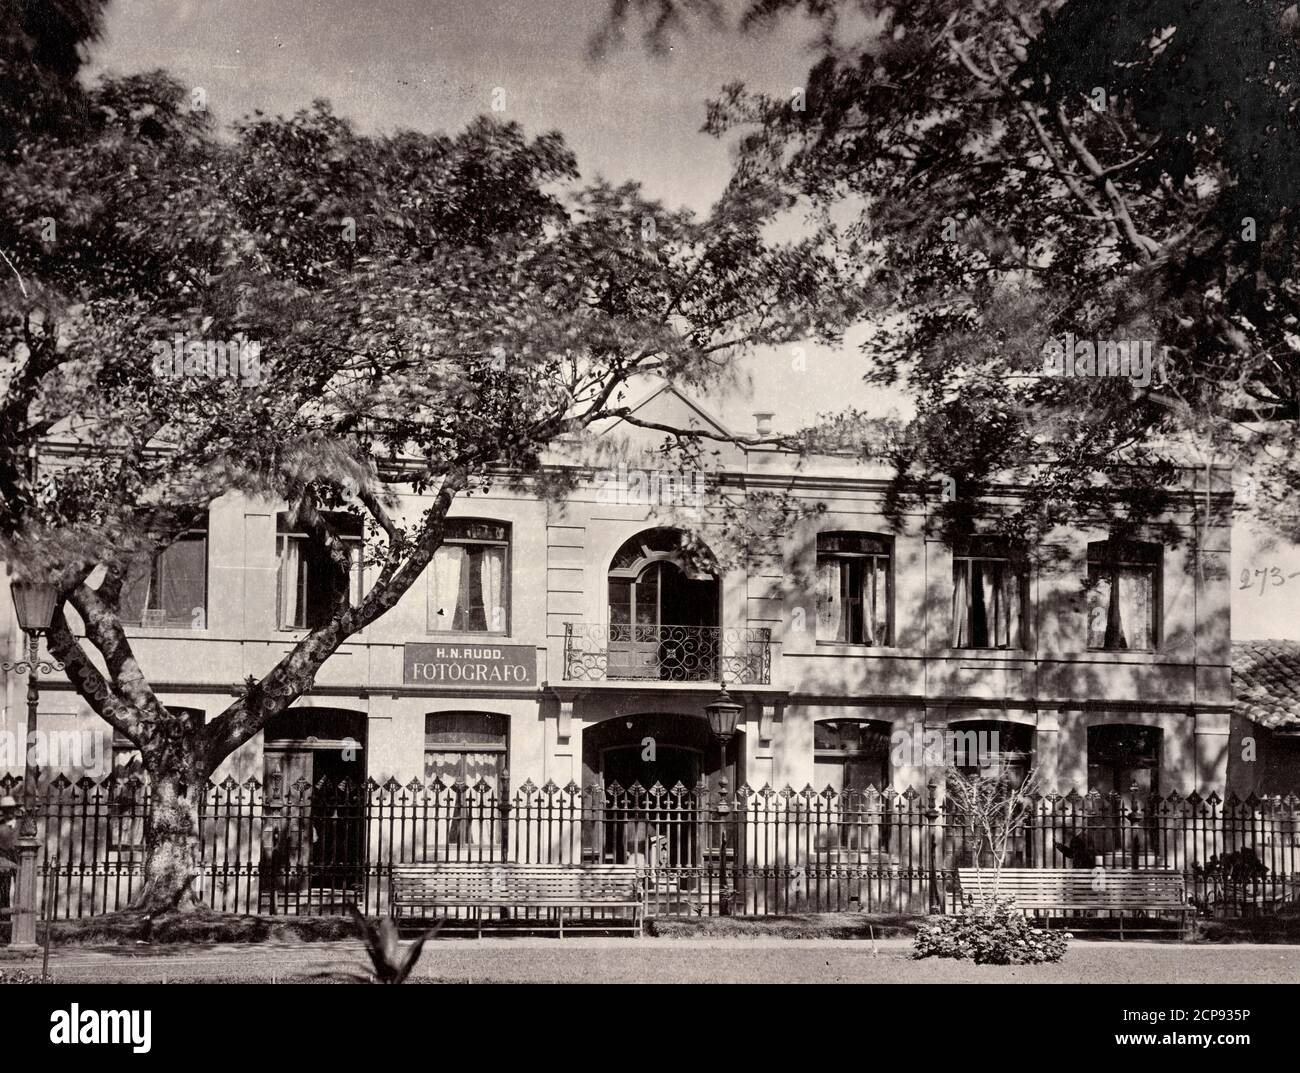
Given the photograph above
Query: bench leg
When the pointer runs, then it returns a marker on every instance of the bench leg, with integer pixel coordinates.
(1121, 927)
(478, 921)
(559, 912)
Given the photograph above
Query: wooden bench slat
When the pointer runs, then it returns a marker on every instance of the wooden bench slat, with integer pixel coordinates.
(1081, 889)
(503, 884)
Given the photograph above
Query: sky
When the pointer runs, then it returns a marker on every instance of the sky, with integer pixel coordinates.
(432, 65)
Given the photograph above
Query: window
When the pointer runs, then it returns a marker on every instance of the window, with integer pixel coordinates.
(851, 755)
(854, 585)
(170, 587)
(468, 585)
(464, 748)
(1124, 759)
(126, 801)
(988, 595)
(990, 748)
(1123, 595)
(310, 581)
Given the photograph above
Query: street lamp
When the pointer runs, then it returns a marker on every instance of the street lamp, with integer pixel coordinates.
(34, 602)
(723, 712)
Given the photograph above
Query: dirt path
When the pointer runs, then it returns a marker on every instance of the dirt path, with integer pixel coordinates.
(594, 960)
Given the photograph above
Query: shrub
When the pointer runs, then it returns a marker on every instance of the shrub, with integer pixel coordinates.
(992, 934)
(20, 976)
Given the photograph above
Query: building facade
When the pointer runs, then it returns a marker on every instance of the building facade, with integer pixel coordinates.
(576, 640)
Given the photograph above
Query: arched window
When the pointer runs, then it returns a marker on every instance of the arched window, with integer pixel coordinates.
(1123, 595)
(851, 755)
(1124, 759)
(854, 588)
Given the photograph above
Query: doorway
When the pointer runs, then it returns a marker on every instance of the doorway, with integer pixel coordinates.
(315, 803)
(663, 611)
(628, 755)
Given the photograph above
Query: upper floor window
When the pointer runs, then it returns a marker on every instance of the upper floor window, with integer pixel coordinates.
(310, 580)
(469, 582)
(170, 587)
(1123, 594)
(854, 583)
(989, 583)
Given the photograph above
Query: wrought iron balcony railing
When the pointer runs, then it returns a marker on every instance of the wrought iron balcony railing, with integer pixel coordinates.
(599, 653)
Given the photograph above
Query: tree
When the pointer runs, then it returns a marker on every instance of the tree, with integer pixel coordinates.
(1017, 170)
(994, 808)
(431, 313)
(41, 43)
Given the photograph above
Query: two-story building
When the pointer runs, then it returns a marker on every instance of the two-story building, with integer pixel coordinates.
(575, 640)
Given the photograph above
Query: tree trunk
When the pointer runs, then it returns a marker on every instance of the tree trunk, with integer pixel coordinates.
(171, 867)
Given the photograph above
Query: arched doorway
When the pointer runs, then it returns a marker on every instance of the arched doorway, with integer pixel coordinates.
(626, 757)
(663, 609)
(315, 802)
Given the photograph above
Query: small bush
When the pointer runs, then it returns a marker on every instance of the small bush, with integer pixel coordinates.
(20, 976)
(993, 934)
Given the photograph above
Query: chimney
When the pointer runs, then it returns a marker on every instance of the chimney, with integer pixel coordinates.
(763, 422)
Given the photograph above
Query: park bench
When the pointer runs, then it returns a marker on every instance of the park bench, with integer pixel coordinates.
(1060, 891)
(429, 887)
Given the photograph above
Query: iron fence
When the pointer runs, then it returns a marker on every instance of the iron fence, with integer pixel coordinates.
(313, 849)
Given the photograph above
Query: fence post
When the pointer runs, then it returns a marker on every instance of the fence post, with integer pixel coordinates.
(931, 815)
(22, 936)
(503, 794)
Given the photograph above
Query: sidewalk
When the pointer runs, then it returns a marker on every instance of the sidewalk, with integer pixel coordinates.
(608, 960)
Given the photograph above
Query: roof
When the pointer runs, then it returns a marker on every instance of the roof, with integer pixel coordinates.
(705, 418)
(1266, 682)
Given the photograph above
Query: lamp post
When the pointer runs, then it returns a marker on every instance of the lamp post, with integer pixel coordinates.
(722, 713)
(34, 602)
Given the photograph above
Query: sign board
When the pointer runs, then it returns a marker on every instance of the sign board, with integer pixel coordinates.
(454, 664)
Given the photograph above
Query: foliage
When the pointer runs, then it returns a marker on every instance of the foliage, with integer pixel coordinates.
(434, 313)
(994, 807)
(41, 48)
(993, 934)
(1237, 868)
(1015, 170)
(22, 976)
(392, 966)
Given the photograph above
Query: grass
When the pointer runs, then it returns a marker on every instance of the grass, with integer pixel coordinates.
(1271, 929)
(205, 927)
(197, 926)
(795, 926)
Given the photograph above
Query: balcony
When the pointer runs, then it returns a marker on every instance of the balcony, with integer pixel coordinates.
(601, 653)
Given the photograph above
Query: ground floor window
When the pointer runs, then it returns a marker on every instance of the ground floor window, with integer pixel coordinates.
(989, 748)
(467, 749)
(1124, 759)
(851, 755)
